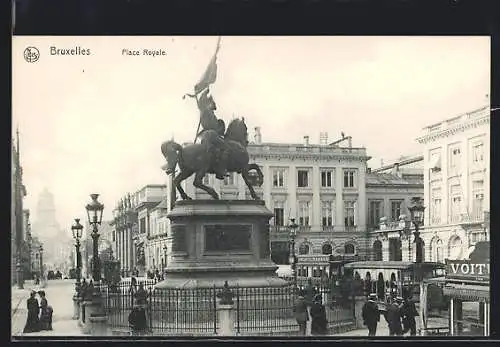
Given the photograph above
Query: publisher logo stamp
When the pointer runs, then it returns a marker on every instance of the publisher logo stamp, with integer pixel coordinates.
(31, 54)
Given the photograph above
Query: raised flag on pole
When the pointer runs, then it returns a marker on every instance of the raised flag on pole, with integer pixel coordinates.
(210, 74)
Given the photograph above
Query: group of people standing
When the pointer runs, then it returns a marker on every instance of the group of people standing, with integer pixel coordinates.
(310, 307)
(39, 313)
(400, 316)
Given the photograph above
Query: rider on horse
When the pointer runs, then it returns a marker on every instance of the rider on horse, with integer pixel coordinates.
(216, 146)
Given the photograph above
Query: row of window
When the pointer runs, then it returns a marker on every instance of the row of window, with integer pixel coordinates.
(477, 156)
(327, 248)
(303, 178)
(327, 213)
(327, 178)
(376, 211)
(456, 204)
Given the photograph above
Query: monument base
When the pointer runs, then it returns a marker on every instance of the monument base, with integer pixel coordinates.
(219, 241)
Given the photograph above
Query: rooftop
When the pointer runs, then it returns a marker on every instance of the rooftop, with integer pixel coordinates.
(376, 178)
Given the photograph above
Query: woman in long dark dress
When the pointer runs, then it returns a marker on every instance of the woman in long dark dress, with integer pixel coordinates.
(318, 313)
(32, 322)
(45, 312)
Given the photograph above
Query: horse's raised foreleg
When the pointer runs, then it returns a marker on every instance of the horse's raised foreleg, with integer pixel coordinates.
(198, 183)
(246, 178)
(177, 183)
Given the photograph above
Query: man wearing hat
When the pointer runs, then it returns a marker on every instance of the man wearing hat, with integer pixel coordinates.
(371, 314)
(393, 317)
(301, 313)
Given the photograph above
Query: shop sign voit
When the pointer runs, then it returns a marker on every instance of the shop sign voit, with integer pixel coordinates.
(467, 271)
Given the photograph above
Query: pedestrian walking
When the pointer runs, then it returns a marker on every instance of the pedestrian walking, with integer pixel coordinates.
(319, 323)
(393, 317)
(371, 314)
(409, 312)
(32, 322)
(301, 314)
(45, 312)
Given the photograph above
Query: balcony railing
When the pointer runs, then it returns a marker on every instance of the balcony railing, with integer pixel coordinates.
(350, 228)
(304, 228)
(328, 228)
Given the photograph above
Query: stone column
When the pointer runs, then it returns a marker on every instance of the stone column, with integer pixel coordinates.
(316, 199)
(225, 312)
(339, 199)
(225, 315)
(292, 189)
(84, 316)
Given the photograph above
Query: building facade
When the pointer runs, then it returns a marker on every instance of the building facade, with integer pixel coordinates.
(321, 185)
(456, 184)
(136, 224)
(20, 255)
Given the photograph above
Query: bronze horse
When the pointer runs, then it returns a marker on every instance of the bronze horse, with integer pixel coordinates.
(195, 159)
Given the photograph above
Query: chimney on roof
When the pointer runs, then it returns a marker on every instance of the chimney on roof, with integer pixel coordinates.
(349, 141)
(368, 170)
(323, 138)
(257, 136)
(306, 140)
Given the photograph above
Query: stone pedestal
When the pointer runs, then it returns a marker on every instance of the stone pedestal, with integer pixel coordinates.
(76, 307)
(359, 301)
(84, 321)
(91, 309)
(214, 241)
(225, 315)
(99, 326)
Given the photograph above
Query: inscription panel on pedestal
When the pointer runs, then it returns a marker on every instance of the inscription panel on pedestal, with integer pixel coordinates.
(227, 237)
(179, 238)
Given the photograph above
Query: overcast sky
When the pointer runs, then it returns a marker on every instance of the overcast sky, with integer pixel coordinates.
(95, 123)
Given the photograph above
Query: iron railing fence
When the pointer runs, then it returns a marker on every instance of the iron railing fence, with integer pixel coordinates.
(258, 310)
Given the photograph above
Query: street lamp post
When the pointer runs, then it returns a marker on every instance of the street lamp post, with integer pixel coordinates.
(292, 227)
(76, 230)
(165, 249)
(41, 263)
(94, 212)
(417, 209)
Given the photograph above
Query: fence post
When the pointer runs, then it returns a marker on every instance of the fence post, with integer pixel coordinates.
(225, 312)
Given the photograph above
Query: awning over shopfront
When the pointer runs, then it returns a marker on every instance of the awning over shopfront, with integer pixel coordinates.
(467, 292)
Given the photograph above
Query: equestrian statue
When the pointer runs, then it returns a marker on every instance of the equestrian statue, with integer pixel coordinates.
(220, 151)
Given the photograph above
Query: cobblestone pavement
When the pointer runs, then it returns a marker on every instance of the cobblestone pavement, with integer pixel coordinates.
(60, 297)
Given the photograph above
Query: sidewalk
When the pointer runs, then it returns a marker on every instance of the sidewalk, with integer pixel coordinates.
(60, 296)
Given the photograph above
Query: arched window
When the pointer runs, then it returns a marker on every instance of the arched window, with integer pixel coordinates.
(439, 251)
(349, 248)
(437, 254)
(326, 249)
(377, 250)
(304, 249)
(455, 248)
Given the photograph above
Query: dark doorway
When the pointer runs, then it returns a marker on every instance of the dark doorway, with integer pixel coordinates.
(380, 286)
(395, 251)
(377, 250)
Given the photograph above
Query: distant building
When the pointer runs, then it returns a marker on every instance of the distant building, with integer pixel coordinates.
(140, 230)
(57, 242)
(389, 191)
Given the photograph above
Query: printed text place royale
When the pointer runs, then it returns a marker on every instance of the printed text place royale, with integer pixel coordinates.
(148, 52)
